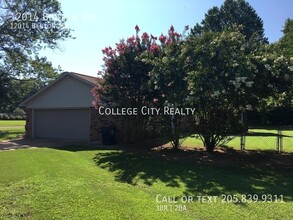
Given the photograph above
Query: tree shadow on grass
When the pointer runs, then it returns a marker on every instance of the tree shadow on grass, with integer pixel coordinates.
(195, 178)
(266, 134)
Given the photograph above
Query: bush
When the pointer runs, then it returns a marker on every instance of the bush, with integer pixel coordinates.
(18, 117)
(281, 116)
(255, 118)
(19, 111)
(276, 117)
(5, 116)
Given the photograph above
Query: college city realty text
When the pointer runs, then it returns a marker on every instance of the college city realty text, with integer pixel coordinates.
(145, 111)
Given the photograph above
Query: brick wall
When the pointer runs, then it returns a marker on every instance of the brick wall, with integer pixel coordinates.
(98, 121)
(29, 123)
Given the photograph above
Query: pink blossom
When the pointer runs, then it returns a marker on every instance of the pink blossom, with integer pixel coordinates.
(137, 28)
(145, 36)
(95, 104)
(169, 41)
(99, 87)
(176, 34)
(131, 40)
(154, 48)
(171, 31)
(108, 51)
(162, 39)
(121, 47)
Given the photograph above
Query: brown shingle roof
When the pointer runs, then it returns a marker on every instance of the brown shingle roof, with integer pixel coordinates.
(90, 79)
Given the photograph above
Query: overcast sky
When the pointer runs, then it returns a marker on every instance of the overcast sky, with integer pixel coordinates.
(98, 24)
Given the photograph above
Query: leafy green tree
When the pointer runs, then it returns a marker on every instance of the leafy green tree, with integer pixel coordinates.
(284, 50)
(276, 78)
(4, 88)
(226, 75)
(232, 12)
(27, 26)
(285, 44)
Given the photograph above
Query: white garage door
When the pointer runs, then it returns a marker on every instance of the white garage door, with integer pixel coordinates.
(62, 124)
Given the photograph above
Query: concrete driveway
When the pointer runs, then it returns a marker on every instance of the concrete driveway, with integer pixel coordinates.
(28, 143)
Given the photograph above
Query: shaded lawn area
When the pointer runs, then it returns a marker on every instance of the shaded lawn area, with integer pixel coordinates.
(82, 183)
(257, 139)
(11, 129)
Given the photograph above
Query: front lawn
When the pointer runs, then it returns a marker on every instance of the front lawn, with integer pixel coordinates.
(11, 129)
(43, 183)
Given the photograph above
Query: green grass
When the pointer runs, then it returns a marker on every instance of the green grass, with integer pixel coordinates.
(43, 183)
(11, 129)
(257, 139)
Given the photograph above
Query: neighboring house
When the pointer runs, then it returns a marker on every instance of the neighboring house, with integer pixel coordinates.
(63, 110)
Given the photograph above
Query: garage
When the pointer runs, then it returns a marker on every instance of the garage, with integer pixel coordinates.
(71, 124)
(63, 109)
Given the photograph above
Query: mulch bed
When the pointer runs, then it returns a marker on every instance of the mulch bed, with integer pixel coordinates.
(230, 157)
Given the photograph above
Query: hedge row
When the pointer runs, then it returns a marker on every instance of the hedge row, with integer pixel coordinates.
(276, 117)
(11, 116)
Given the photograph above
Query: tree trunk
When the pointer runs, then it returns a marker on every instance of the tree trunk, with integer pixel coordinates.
(210, 148)
(209, 144)
(176, 133)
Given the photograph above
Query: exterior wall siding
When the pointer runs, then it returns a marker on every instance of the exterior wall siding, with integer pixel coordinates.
(67, 93)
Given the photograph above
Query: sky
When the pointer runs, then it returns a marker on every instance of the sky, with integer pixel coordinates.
(97, 24)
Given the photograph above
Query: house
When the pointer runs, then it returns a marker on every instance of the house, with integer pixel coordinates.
(63, 110)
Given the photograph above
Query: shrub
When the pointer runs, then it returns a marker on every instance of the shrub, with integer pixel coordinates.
(19, 111)
(19, 117)
(281, 116)
(5, 116)
(12, 117)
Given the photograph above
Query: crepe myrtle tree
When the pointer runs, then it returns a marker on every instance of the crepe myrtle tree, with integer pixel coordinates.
(167, 78)
(226, 74)
(125, 81)
(275, 76)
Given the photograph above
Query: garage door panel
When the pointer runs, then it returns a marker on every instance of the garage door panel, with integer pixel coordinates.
(62, 124)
